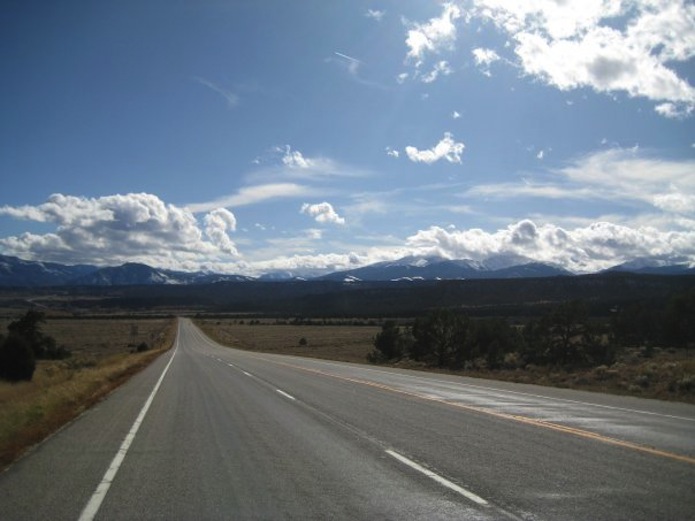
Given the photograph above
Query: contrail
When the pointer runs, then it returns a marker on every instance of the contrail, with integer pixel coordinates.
(350, 58)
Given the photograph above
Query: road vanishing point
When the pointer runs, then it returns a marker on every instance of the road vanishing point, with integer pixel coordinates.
(210, 432)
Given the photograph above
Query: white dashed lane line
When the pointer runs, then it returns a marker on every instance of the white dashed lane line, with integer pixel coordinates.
(439, 479)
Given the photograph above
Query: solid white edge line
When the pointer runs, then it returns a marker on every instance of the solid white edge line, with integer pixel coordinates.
(439, 479)
(92, 507)
(285, 394)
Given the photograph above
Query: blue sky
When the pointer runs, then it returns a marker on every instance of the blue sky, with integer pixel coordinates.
(248, 137)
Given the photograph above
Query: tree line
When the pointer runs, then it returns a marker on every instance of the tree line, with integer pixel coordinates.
(564, 336)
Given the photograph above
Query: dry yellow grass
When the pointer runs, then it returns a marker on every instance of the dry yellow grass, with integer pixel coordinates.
(99, 337)
(346, 343)
(61, 390)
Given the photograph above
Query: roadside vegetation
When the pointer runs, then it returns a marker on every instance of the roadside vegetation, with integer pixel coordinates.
(95, 356)
(640, 350)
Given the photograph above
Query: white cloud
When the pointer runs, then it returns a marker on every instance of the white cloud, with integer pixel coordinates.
(540, 155)
(504, 191)
(675, 110)
(434, 36)
(583, 249)
(484, 58)
(375, 14)
(295, 159)
(676, 202)
(281, 163)
(120, 228)
(631, 174)
(446, 149)
(218, 224)
(616, 175)
(608, 45)
(455, 115)
(440, 68)
(253, 195)
(322, 213)
(141, 227)
(309, 265)
(392, 152)
(314, 234)
(268, 182)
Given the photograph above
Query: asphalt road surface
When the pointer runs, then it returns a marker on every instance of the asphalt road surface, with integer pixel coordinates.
(208, 432)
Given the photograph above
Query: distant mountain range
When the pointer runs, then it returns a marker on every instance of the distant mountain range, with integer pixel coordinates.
(15, 272)
(20, 273)
(654, 267)
(439, 268)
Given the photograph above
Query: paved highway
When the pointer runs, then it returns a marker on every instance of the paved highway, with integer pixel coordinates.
(208, 432)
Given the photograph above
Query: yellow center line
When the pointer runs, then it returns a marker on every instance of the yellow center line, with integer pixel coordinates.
(514, 417)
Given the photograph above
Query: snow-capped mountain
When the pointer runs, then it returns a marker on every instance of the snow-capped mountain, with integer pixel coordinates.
(134, 274)
(656, 266)
(21, 273)
(18, 272)
(433, 268)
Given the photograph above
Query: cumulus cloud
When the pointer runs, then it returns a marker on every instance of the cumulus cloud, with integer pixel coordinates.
(433, 36)
(322, 213)
(295, 159)
(311, 265)
(610, 46)
(119, 228)
(446, 149)
(583, 249)
(218, 224)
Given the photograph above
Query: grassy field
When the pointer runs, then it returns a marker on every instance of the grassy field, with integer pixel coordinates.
(666, 374)
(102, 359)
(347, 343)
